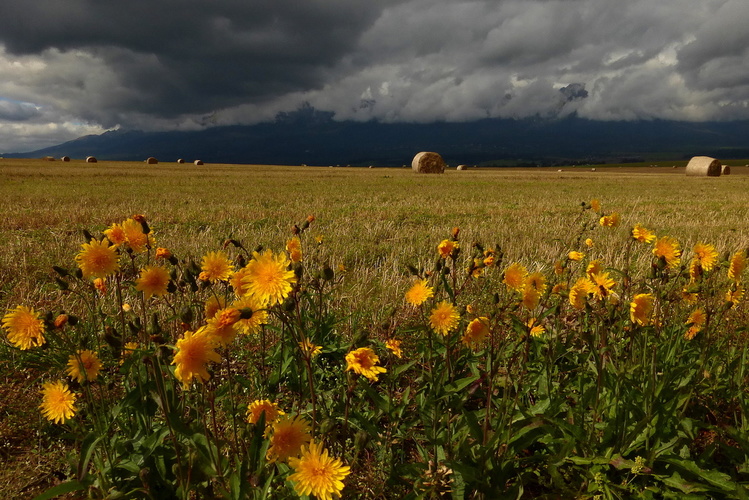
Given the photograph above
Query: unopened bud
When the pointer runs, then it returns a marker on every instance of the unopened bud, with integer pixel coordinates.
(61, 320)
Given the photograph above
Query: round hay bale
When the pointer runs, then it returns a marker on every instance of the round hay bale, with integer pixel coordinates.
(65, 158)
(428, 163)
(703, 166)
(592, 169)
(725, 170)
(180, 161)
(151, 160)
(462, 167)
(90, 159)
(198, 162)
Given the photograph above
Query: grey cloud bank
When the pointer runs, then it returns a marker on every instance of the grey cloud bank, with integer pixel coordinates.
(75, 67)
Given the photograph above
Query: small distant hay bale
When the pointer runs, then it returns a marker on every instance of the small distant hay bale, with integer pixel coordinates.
(65, 158)
(151, 160)
(49, 158)
(725, 170)
(560, 170)
(198, 162)
(704, 166)
(90, 159)
(427, 162)
(592, 169)
(180, 160)
(462, 167)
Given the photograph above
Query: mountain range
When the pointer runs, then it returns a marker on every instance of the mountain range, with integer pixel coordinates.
(312, 137)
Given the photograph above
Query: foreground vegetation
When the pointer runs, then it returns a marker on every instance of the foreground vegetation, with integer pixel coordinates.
(482, 334)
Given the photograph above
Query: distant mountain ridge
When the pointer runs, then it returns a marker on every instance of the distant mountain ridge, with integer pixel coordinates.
(312, 137)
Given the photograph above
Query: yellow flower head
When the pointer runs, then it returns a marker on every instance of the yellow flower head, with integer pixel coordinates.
(259, 317)
(116, 234)
(536, 280)
(97, 259)
(127, 350)
(194, 351)
(706, 255)
(222, 326)
(153, 280)
(419, 293)
(444, 318)
(579, 292)
(641, 308)
(137, 240)
(318, 474)
(737, 266)
(594, 267)
(476, 332)
(697, 317)
(287, 436)
(576, 256)
(309, 349)
(58, 403)
(515, 276)
(84, 366)
(642, 234)
(216, 266)
(531, 297)
(446, 247)
(394, 346)
(610, 220)
(364, 362)
(559, 288)
(24, 327)
(595, 205)
(256, 409)
(268, 278)
(735, 294)
(667, 248)
(589, 242)
(602, 285)
(535, 330)
(163, 253)
(294, 247)
(101, 285)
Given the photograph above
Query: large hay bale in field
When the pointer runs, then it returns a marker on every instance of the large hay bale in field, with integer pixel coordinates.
(703, 166)
(462, 167)
(725, 170)
(180, 160)
(198, 162)
(428, 163)
(151, 160)
(65, 158)
(90, 159)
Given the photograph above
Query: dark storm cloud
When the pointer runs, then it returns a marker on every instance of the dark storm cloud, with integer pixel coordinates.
(87, 65)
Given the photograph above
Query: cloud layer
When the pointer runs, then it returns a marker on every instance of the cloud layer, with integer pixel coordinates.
(83, 66)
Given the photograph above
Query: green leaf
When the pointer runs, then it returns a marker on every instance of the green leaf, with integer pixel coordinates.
(87, 449)
(61, 489)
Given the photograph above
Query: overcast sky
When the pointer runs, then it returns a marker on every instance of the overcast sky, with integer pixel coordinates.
(75, 67)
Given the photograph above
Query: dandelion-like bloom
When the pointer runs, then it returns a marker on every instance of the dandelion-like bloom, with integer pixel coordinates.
(213, 305)
(116, 234)
(294, 247)
(594, 267)
(316, 473)
(153, 280)
(737, 266)
(364, 362)
(579, 292)
(576, 256)
(256, 409)
(216, 266)
(642, 234)
(259, 316)
(288, 435)
(446, 247)
(101, 285)
(419, 293)
(559, 288)
(531, 297)
(589, 242)
(688, 297)
(58, 403)
(98, 259)
(476, 332)
(163, 253)
(536, 280)
(194, 351)
(268, 278)
(24, 327)
(602, 285)
(127, 350)
(641, 308)
(668, 249)
(610, 220)
(515, 276)
(490, 257)
(84, 366)
(309, 349)
(706, 255)
(735, 294)
(534, 329)
(221, 327)
(137, 240)
(595, 205)
(696, 322)
(444, 318)
(394, 345)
